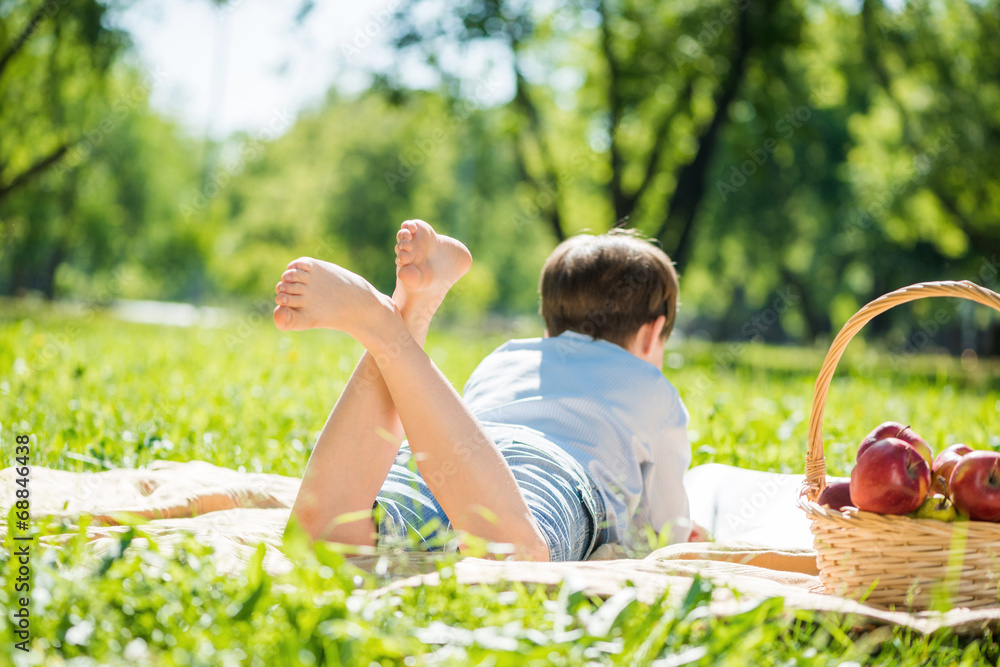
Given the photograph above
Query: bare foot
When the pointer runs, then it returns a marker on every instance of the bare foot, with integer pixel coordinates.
(427, 265)
(316, 294)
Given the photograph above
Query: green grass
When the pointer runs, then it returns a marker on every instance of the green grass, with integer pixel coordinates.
(96, 393)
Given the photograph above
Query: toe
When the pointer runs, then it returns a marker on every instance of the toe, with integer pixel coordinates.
(294, 276)
(290, 300)
(283, 318)
(411, 227)
(403, 234)
(403, 258)
(290, 288)
(303, 264)
(420, 226)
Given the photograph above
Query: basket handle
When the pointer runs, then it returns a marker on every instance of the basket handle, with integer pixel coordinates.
(964, 289)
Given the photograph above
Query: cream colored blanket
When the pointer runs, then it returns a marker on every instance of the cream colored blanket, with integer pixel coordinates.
(234, 512)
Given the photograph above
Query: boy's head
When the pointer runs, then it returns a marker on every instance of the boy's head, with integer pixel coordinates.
(608, 286)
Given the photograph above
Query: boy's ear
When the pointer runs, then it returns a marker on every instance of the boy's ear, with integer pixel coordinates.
(649, 334)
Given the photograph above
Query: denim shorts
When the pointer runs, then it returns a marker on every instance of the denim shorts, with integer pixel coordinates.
(562, 497)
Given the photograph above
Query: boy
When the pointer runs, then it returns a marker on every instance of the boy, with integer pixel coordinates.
(559, 442)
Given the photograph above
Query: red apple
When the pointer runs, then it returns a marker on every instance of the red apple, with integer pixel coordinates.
(900, 431)
(974, 486)
(944, 463)
(836, 495)
(890, 478)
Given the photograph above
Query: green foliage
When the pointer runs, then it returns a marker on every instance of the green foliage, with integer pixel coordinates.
(844, 167)
(107, 206)
(812, 155)
(338, 184)
(55, 63)
(99, 393)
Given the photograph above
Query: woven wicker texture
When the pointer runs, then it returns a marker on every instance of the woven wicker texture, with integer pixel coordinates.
(897, 561)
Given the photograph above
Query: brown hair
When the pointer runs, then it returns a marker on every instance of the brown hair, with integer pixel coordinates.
(608, 286)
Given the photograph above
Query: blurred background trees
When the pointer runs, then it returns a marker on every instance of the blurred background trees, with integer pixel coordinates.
(796, 158)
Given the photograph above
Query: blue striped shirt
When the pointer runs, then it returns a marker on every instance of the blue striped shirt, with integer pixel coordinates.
(613, 412)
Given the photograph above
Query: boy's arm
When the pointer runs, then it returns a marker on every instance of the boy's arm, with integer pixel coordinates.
(664, 493)
(664, 489)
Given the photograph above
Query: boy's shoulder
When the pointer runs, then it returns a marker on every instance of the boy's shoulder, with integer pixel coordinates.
(571, 351)
(567, 341)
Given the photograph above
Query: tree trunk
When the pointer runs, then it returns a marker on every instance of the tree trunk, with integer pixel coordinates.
(686, 199)
(816, 317)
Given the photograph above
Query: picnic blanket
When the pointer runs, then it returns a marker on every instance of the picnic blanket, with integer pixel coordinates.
(761, 550)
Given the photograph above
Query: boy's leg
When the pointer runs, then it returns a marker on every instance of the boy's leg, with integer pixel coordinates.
(361, 437)
(459, 461)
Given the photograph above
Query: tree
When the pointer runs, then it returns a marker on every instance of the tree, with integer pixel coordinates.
(931, 66)
(88, 173)
(55, 58)
(655, 84)
(861, 165)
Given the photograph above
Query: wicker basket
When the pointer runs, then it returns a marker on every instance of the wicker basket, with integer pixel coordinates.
(897, 561)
